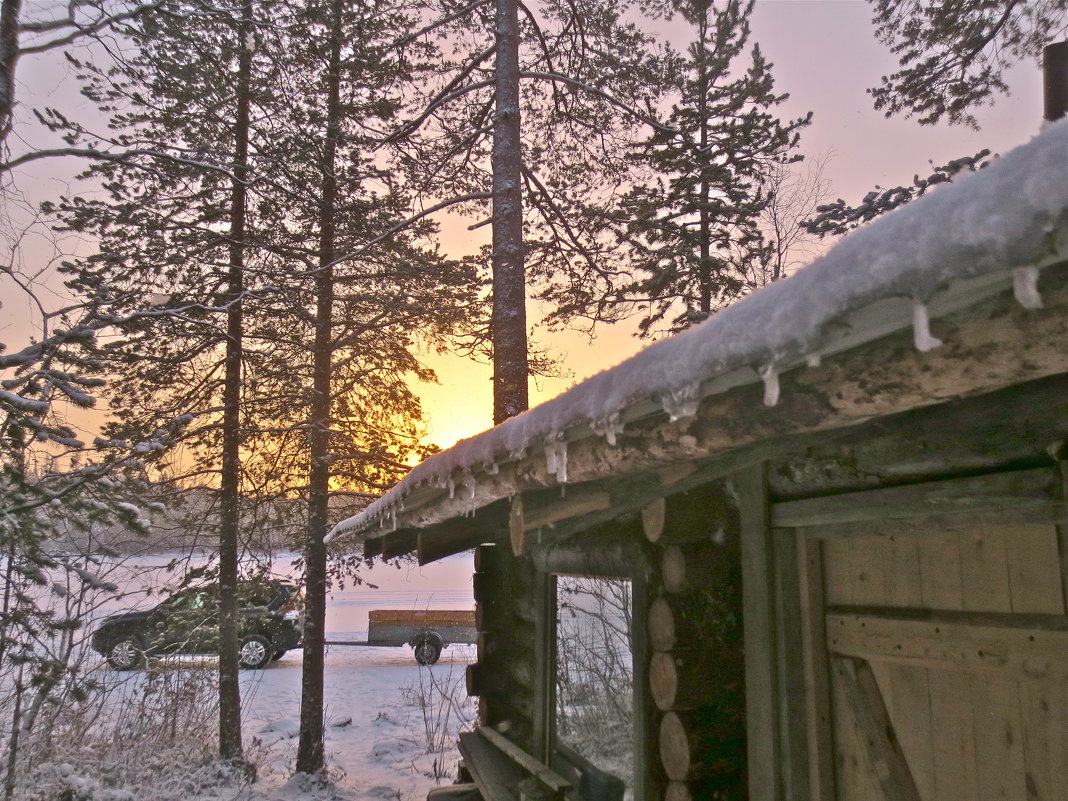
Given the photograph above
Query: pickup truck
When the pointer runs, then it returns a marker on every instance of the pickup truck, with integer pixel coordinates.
(428, 631)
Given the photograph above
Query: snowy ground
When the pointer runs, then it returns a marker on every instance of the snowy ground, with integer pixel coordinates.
(379, 743)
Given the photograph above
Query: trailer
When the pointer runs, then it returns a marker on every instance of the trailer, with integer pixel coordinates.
(428, 631)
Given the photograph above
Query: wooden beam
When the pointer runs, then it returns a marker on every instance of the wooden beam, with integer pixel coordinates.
(1062, 528)
(463, 534)
(790, 669)
(865, 701)
(758, 615)
(1013, 646)
(608, 551)
(399, 542)
(1017, 490)
(817, 669)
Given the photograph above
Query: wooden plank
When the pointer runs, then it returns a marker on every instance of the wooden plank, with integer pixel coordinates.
(497, 777)
(940, 576)
(878, 736)
(999, 755)
(953, 736)
(984, 571)
(816, 671)
(1062, 529)
(1014, 651)
(1034, 569)
(793, 729)
(1043, 712)
(856, 571)
(758, 615)
(901, 570)
(910, 705)
(1018, 489)
(550, 778)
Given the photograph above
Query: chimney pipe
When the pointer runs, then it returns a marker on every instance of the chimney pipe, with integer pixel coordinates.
(1055, 80)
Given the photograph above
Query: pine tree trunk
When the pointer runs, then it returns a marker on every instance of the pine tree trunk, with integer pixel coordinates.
(230, 747)
(310, 751)
(10, 11)
(509, 320)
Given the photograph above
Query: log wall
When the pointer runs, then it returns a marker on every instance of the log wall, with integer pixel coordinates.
(504, 676)
(696, 663)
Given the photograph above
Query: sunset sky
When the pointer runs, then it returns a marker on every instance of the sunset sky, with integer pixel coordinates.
(825, 55)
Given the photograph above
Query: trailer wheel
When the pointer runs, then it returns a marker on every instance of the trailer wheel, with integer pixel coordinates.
(428, 649)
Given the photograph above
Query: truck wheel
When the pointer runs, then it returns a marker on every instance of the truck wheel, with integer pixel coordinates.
(125, 654)
(255, 652)
(427, 651)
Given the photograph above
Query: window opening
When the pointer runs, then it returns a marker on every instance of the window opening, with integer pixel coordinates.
(594, 684)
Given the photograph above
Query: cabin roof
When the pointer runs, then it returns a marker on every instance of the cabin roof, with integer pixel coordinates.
(945, 251)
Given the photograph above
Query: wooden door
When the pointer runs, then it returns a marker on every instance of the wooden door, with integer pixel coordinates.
(937, 652)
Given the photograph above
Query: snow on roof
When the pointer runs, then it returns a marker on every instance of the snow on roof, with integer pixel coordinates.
(1012, 214)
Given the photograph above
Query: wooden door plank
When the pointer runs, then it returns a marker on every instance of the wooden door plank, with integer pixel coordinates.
(999, 756)
(793, 707)
(866, 703)
(817, 676)
(997, 650)
(953, 736)
(910, 705)
(901, 570)
(856, 571)
(940, 574)
(758, 617)
(1043, 711)
(984, 571)
(1034, 569)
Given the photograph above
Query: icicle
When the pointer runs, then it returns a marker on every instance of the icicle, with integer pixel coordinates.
(556, 459)
(921, 329)
(1025, 287)
(770, 376)
(682, 403)
(813, 360)
(608, 427)
(452, 488)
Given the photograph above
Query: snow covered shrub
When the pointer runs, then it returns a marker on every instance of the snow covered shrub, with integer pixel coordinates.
(150, 734)
(445, 710)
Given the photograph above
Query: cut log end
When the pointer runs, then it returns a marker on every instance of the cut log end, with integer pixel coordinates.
(661, 625)
(678, 791)
(675, 748)
(653, 517)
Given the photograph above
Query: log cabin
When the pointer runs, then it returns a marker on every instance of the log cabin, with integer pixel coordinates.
(814, 548)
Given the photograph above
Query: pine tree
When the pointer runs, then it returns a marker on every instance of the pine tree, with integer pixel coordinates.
(558, 88)
(690, 232)
(953, 55)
